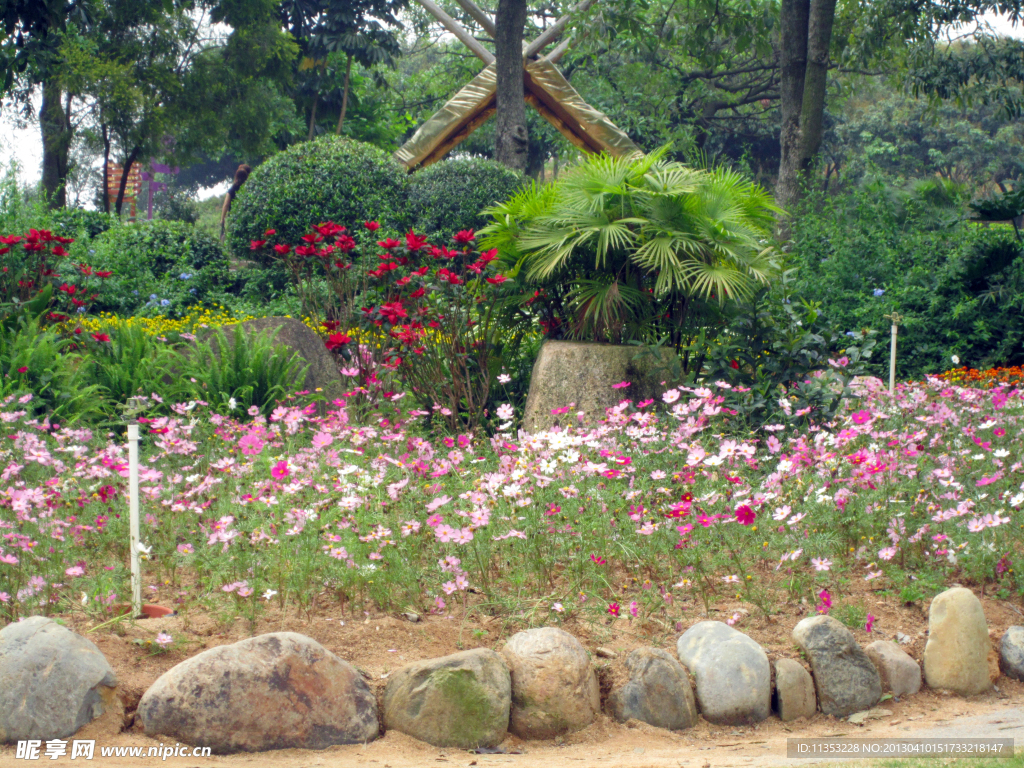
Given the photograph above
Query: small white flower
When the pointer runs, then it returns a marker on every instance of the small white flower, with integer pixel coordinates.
(232, 403)
(504, 378)
(269, 594)
(955, 359)
(505, 412)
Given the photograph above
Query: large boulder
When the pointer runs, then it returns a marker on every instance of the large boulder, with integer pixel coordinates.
(276, 691)
(52, 681)
(658, 692)
(734, 679)
(1011, 653)
(900, 674)
(582, 374)
(956, 654)
(554, 688)
(322, 372)
(794, 691)
(462, 700)
(845, 678)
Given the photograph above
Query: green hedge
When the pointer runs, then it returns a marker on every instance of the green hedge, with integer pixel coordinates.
(447, 197)
(959, 285)
(160, 267)
(330, 179)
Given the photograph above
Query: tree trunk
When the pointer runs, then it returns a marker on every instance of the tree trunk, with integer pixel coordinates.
(812, 112)
(804, 41)
(511, 143)
(125, 172)
(344, 96)
(793, 20)
(312, 117)
(106, 168)
(56, 135)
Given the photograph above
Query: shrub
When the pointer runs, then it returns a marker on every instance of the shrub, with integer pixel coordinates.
(332, 178)
(236, 373)
(165, 266)
(78, 222)
(37, 365)
(449, 196)
(956, 285)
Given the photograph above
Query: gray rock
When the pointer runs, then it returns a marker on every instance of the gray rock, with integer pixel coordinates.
(574, 372)
(658, 692)
(794, 691)
(276, 691)
(461, 700)
(734, 679)
(956, 654)
(900, 674)
(322, 371)
(845, 679)
(554, 688)
(1011, 653)
(52, 681)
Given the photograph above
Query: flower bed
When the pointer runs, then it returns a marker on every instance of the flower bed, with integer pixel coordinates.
(653, 509)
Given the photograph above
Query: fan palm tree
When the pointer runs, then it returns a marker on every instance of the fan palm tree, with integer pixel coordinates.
(626, 240)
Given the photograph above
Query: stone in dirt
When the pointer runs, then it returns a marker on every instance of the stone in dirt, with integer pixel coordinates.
(276, 691)
(461, 700)
(956, 654)
(794, 691)
(845, 678)
(1011, 653)
(554, 688)
(52, 681)
(859, 718)
(583, 373)
(900, 674)
(658, 692)
(734, 679)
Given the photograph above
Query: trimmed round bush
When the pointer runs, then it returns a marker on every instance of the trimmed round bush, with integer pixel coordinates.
(330, 179)
(163, 266)
(447, 197)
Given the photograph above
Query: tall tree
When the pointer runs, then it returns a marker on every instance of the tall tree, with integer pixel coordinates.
(33, 31)
(511, 140)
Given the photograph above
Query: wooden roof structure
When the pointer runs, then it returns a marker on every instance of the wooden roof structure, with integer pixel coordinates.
(546, 90)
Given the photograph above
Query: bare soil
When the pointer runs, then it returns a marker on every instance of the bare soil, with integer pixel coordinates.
(378, 644)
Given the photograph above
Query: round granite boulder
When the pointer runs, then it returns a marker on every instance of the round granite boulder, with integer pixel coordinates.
(276, 691)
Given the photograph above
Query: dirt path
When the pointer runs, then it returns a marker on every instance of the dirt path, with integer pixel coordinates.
(607, 744)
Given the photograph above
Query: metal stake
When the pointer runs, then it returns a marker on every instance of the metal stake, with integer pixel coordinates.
(133, 513)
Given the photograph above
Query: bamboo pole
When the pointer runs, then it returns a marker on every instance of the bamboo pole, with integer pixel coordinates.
(458, 30)
(555, 30)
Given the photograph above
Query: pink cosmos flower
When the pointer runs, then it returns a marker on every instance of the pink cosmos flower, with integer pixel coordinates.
(613, 609)
(620, 385)
(745, 515)
(861, 417)
(250, 445)
(435, 520)
(869, 623)
(280, 470)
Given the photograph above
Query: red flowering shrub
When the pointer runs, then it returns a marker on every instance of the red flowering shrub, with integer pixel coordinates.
(424, 312)
(29, 278)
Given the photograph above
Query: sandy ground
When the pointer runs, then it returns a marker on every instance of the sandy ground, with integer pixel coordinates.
(379, 644)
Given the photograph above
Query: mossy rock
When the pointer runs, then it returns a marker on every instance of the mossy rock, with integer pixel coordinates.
(462, 700)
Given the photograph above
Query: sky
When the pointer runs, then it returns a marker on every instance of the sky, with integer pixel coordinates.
(22, 144)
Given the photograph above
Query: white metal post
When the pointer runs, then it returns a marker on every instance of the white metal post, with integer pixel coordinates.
(133, 512)
(892, 362)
